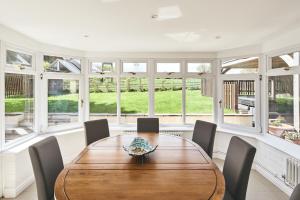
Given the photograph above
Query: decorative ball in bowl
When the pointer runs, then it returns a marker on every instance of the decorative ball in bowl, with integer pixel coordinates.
(139, 147)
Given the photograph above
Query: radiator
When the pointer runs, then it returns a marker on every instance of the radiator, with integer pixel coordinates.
(292, 177)
(169, 132)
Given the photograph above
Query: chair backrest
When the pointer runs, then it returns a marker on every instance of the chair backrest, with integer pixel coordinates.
(296, 193)
(47, 163)
(96, 130)
(150, 125)
(204, 135)
(237, 167)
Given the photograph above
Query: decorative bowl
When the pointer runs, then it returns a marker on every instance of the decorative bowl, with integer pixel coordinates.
(139, 147)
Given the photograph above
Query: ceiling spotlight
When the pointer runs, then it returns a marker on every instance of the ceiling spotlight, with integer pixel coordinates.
(85, 36)
(154, 16)
(218, 37)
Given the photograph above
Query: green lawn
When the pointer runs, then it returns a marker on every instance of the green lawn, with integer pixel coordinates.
(131, 102)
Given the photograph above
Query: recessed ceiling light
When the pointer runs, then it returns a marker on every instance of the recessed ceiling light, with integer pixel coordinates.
(154, 16)
(85, 36)
(167, 13)
(218, 37)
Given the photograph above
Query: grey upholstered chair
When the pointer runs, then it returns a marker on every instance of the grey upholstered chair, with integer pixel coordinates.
(150, 125)
(237, 168)
(96, 130)
(204, 135)
(47, 163)
(296, 193)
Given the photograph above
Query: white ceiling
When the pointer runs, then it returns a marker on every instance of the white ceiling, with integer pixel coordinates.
(127, 26)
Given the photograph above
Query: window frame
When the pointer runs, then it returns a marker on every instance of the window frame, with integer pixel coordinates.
(133, 74)
(8, 68)
(293, 71)
(170, 74)
(257, 78)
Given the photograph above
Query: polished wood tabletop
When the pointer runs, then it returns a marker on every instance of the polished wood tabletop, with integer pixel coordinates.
(178, 169)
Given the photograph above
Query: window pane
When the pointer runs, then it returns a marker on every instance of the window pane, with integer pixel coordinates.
(103, 67)
(19, 105)
(199, 100)
(281, 108)
(134, 99)
(62, 65)
(240, 66)
(18, 59)
(103, 99)
(199, 67)
(63, 97)
(239, 102)
(168, 100)
(284, 61)
(168, 67)
(135, 67)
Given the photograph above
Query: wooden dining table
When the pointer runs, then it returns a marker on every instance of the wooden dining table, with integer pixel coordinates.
(178, 169)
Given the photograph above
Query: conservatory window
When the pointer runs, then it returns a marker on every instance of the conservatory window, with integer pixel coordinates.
(62, 65)
(168, 100)
(204, 68)
(103, 98)
(134, 98)
(240, 66)
(19, 60)
(285, 61)
(19, 105)
(199, 100)
(168, 67)
(63, 101)
(103, 67)
(134, 67)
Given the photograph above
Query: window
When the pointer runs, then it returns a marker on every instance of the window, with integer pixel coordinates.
(285, 61)
(19, 105)
(168, 100)
(168, 67)
(283, 111)
(62, 65)
(199, 100)
(103, 99)
(240, 66)
(199, 68)
(103, 67)
(63, 100)
(134, 99)
(18, 59)
(130, 67)
(239, 102)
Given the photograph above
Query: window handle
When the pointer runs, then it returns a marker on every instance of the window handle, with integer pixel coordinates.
(220, 103)
(21, 67)
(201, 73)
(286, 68)
(170, 73)
(82, 102)
(133, 73)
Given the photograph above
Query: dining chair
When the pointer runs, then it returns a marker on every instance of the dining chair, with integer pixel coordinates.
(150, 125)
(47, 163)
(237, 167)
(96, 130)
(204, 135)
(296, 193)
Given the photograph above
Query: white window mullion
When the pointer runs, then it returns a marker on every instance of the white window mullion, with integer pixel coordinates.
(151, 88)
(118, 92)
(2, 96)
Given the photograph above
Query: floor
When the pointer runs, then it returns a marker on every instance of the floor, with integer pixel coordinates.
(259, 189)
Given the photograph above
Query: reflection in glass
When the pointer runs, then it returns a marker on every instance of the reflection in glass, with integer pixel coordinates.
(103, 67)
(240, 66)
(62, 65)
(168, 100)
(281, 108)
(103, 99)
(18, 59)
(19, 105)
(239, 102)
(199, 100)
(134, 99)
(285, 61)
(63, 97)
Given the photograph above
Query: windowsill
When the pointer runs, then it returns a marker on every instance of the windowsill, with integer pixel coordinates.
(277, 143)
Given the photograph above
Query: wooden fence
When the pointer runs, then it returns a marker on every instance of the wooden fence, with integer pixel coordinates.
(18, 85)
(234, 89)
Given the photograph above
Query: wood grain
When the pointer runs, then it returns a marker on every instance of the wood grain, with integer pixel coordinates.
(178, 169)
